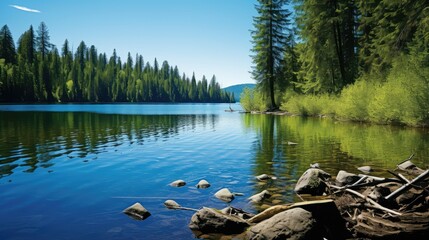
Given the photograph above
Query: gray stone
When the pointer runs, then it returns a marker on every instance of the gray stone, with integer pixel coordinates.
(314, 165)
(259, 197)
(263, 177)
(312, 182)
(171, 204)
(225, 195)
(178, 183)
(294, 224)
(345, 178)
(137, 212)
(237, 212)
(209, 220)
(365, 169)
(203, 184)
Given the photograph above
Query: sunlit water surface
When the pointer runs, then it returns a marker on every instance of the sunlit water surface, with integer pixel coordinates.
(68, 171)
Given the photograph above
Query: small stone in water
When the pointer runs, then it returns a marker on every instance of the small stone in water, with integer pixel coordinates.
(203, 184)
(171, 204)
(178, 183)
(137, 212)
(263, 177)
(225, 195)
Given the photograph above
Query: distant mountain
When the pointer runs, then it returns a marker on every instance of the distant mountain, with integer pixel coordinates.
(238, 89)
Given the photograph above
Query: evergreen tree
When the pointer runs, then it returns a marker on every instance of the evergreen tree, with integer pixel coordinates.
(42, 40)
(269, 42)
(328, 55)
(7, 45)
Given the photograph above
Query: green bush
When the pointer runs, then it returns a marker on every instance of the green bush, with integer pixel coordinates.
(253, 100)
(354, 100)
(404, 97)
(308, 105)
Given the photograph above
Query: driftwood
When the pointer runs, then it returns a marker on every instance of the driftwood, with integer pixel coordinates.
(369, 200)
(408, 185)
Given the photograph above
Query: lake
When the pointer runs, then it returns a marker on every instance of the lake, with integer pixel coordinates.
(67, 171)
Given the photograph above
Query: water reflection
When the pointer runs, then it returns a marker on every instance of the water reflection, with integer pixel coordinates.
(334, 145)
(32, 140)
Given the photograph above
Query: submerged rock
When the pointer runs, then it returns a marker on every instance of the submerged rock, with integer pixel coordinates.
(209, 220)
(137, 212)
(259, 197)
(295, 223)
(312, 182)
(203, 184)
(178, 183)
(225, 195)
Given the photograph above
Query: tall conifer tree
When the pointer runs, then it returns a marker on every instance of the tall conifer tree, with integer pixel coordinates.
(269, 43)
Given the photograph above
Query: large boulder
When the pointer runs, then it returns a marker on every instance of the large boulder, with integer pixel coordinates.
(295, 223)
(312, 182)
(209, 220)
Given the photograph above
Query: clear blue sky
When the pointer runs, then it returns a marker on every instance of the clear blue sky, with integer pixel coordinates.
(202, 36)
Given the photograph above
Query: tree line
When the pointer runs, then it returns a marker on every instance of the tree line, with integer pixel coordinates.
(326, 47)
(37, 71)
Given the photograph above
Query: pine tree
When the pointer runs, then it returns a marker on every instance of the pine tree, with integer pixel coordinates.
(42, 40)
(328, 55)
(269, 42)
(7, 45)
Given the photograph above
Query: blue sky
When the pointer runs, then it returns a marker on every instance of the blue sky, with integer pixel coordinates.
(202, 36)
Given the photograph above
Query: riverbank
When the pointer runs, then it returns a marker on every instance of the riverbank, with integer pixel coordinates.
(335, 117)
(350, 206)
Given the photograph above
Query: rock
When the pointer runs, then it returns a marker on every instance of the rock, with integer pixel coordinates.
(171, 204)
(209, 220)
(365, 169)
(263, 177)
(295, 223)
(137, 212)
(238, 212)
(225, 195)
(311, 182)
(259, 197)
(203, 184)
(407, 165)
(314, 165)
(178, 183)
(345, 178)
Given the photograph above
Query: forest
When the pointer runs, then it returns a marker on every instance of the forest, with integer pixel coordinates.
(358, 60)
(36, 71)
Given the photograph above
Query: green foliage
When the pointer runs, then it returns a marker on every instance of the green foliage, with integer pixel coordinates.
(327, 56)
(354, 100)
(309, 105)
(253, 100)
(42, 74)
(404, 97)
(7, 45)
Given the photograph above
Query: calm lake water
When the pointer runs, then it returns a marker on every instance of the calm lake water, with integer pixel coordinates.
(68, 171)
